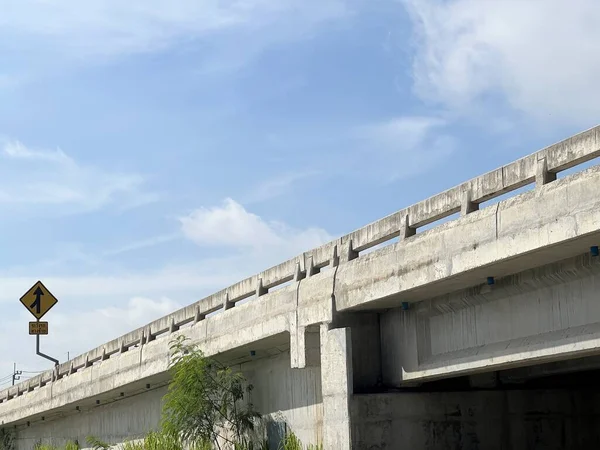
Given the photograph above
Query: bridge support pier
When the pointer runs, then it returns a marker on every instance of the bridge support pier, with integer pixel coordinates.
(337, 386)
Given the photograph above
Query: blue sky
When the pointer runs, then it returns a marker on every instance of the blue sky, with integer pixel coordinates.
(154, 152)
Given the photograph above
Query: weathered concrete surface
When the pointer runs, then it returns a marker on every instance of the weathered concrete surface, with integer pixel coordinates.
(559, 219)
(261, 326)
(490, 420)
(543, 314)
(366, 348)
(118, 421)
(231, 331)
(288, 397)
(336, 372)
(553, 222)
(284, 395)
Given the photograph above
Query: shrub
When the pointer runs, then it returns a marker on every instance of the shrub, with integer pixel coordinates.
(205, 400)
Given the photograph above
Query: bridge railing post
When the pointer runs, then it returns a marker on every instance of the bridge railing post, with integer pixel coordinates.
(543, 175)
(405, 229)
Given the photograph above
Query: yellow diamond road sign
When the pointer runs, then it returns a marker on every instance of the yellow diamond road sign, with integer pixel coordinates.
(38, 300)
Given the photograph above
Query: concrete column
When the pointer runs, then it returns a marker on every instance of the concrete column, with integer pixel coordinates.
(336, 381)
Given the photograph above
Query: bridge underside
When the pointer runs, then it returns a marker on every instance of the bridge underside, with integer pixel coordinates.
(513, 365)
(491, 411)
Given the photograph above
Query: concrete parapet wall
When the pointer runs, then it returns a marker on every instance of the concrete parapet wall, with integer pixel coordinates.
(513, 235)
(418, 267)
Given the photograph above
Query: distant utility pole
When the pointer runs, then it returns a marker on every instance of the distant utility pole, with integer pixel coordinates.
(16, 374)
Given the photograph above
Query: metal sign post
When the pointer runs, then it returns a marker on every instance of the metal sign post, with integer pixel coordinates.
(38, 300)
(37, 351)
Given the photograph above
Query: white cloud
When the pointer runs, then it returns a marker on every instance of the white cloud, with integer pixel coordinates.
(402, 146)
(101, 27)
(380, 151)
(257, 245)
(145, 243)
(230, 225)
(539, 57)
(51, 178)
(276, 186)
(401, 133)
(15, 149)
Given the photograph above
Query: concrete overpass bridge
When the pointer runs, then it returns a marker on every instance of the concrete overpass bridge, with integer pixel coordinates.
(401, 334)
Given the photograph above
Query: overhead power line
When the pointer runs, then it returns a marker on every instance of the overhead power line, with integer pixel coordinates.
(7, 377)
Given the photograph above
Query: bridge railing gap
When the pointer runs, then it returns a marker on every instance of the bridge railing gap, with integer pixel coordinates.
(539, 168)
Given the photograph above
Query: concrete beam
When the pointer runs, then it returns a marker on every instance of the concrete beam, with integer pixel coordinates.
(541, 315)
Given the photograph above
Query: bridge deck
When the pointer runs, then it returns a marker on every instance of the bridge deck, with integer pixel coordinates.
(556, 220)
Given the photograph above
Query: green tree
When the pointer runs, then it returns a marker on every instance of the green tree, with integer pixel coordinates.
(205, 402)
(97, 444)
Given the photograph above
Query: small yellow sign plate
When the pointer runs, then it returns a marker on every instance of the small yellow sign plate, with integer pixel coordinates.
(38, 327)
(38, 300)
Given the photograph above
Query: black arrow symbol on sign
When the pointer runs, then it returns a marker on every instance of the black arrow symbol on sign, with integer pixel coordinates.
(37, 304)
